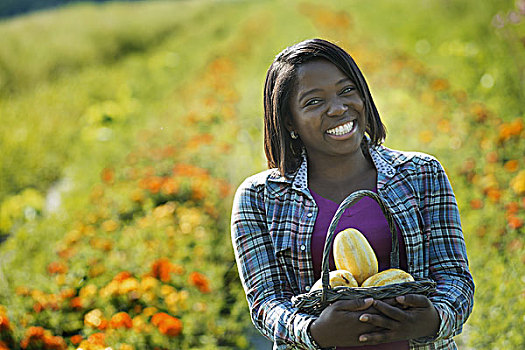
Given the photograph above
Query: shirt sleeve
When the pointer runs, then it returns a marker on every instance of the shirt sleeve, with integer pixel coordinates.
(265, 283)
(448, 261)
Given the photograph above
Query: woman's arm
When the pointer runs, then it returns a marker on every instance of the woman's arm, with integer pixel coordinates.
(444, 313)
(448, 261)
(264, 281)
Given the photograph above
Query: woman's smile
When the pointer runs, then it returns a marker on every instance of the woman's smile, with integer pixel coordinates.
(342, 132)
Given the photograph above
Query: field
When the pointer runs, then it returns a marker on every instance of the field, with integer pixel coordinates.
(126, 128)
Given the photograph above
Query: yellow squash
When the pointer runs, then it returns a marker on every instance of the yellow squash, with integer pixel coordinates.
(337, 278)
(386, 277)
(353, 253)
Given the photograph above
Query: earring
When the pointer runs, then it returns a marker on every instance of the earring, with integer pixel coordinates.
(293, 135)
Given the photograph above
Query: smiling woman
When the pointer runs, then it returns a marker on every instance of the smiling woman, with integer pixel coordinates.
(323, 141)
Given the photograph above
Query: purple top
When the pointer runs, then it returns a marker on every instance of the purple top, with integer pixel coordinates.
(367, 217)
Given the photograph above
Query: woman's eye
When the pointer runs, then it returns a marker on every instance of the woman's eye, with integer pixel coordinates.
(348, 89)
(312, 102)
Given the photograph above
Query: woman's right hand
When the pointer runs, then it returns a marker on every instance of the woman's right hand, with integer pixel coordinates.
(339, 325)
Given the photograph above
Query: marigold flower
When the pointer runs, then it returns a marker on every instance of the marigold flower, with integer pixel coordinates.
(167, 324)
(67, 293)
(109, 225)
(56, 267)
(170, 186)
(148, 283)
(55, 342)
(33, 336)
(129, 285)
(107, 175)
(5, 325)
(200, 281)
(476, 203)
(93, 318)
(518, 183)
(171, 327)
(97, 339)
(511, 165)
(515, 222)
(161, 269)
(88, 291)
(121, 276)
(76, 339)
(38, 307)
(121, 320)
(76, 303)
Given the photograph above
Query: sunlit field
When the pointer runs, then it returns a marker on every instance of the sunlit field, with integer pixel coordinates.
(126, 127)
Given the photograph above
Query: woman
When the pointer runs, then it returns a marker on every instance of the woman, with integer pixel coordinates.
(323, 137)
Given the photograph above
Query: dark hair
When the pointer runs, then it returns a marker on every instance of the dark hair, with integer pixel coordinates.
(281, 150)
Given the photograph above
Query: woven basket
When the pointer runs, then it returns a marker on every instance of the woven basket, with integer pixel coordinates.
(316, 301)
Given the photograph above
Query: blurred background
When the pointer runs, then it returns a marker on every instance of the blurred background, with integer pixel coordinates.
(127, 125)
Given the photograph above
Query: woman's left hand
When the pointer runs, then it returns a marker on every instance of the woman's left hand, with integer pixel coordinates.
(415, 317)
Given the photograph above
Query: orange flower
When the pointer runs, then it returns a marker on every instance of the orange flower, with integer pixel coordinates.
(492, 157)
(34, 336)
(4, 346)
(77, 303)
(515, 222)
(200, 281)
(494, 194)
(167, 324)
(476, 203)
(121, 320)
(4, 323)
(103, 325)
(56, 267)
(480, 111)
(76, 339)
(171, 326)
(97, 339)
(162, 269)
(67, 293)
(170, 186)
(189, 170)
(38, 307)
(511, 165)
(107, 175)
(509, 130)
(152, 183)
(512, 208)
(54, 342)
(121, 276)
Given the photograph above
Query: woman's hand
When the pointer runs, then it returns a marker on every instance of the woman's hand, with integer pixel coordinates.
(339, 325)
(414, 318)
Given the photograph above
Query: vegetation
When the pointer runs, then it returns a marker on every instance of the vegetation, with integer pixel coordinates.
(145, 118)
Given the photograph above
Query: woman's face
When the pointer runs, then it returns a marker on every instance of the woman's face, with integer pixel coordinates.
(327, 110)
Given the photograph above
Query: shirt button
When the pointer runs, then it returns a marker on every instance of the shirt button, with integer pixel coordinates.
(307, 288)
(303, 247)
(309, 215)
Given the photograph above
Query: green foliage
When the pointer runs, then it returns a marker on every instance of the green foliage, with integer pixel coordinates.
(144, 119)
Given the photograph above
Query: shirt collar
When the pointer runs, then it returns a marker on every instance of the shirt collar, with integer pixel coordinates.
(384, 160)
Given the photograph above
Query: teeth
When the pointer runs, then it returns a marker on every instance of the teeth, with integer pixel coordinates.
(341, 129)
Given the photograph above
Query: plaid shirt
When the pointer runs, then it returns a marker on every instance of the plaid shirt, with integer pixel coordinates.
(272, 223)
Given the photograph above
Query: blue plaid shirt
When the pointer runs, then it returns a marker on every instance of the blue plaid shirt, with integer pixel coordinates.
(272, 223)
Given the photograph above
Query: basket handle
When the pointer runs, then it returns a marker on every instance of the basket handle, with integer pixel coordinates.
(349, 201)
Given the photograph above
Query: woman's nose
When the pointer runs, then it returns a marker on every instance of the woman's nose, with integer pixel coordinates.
(337, 108)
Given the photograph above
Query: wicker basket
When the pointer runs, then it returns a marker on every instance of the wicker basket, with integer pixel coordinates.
(316, 301)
